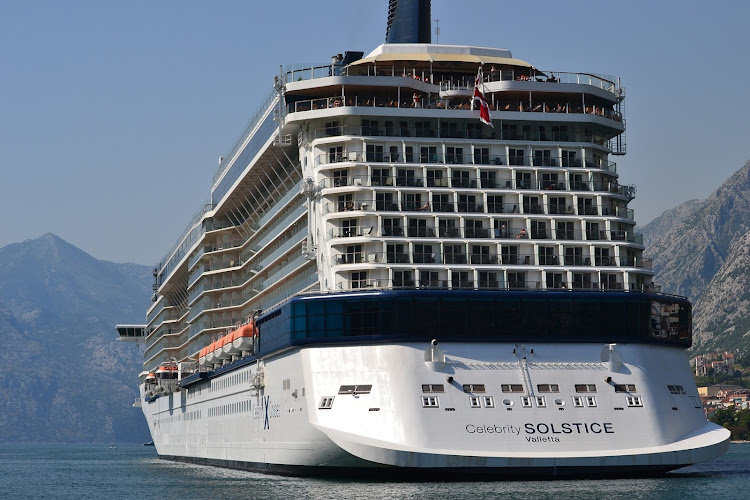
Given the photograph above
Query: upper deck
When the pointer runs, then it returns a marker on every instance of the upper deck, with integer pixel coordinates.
(451, 67)
(402, 187)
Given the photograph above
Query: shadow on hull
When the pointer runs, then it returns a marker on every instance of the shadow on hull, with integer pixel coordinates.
(447, 474)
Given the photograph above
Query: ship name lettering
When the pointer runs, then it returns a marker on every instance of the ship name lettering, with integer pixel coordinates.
(570, 428)
(493, 429)
(542, 439)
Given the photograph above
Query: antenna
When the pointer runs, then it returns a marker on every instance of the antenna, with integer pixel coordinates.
(437, 30)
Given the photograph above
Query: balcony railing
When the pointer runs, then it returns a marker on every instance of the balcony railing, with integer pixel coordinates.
(405, 206)
(472, 232)
(300, 72)
(469, 159)
(494, 283)
(475, 207)
(554, 106)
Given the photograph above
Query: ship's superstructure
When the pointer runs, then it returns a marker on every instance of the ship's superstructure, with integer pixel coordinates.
(381, 282)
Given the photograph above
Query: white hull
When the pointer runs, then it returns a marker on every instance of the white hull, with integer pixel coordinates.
(281, 427)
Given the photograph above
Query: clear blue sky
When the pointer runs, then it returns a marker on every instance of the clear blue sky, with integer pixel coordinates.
(113, 114)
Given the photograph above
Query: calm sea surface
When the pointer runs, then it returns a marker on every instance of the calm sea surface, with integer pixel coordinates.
(134, 472)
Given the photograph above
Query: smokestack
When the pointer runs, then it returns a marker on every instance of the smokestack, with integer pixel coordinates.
(409, 21)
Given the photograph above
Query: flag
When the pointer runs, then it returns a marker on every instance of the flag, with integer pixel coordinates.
(484, 108)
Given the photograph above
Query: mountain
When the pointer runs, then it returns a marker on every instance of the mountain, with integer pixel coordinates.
(690, 250)
(700, 249)
(662, 224)
(722, 316)
(64, 376)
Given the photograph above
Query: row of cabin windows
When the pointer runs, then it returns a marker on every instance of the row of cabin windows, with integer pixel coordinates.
(447, 202)
(428, 388)
(501, 228)
(528, 401)
(407, 177)
(455, 129)
(475, 228)
(460, 155)
(483, 255)
(455, 155)
(486, 280)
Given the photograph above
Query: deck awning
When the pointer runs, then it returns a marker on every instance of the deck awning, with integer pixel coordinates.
(411, 58)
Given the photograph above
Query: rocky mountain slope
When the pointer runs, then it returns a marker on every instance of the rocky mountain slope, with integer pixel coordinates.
(688, 252)
(666, 221)
(64, 377)
(700, 249)
(722, 315)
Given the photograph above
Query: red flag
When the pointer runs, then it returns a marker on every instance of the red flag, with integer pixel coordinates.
(484, 108)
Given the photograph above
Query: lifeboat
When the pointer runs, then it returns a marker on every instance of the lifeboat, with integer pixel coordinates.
(202, 356)
(244, 338)
(210, 353)
(228, 345)
(219, 353)
(166, 371)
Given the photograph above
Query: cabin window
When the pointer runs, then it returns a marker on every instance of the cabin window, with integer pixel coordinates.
(585, 387)
(548, 388)
(430, 402)
(474, 388)
(634, 401)
(625, 388)
(326, 403)
(355, 389)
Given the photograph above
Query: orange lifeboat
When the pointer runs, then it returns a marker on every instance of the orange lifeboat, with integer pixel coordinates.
(202, 356)
(229, 349)
(244, 338)
(210, 353)
(219, 353)
(166, 371)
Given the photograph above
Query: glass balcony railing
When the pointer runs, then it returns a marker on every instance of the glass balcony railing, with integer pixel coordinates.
(408, 72)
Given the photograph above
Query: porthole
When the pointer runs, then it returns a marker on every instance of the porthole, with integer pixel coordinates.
(507, 402)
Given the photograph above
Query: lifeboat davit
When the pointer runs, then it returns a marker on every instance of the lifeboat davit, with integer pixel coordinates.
(244, 338)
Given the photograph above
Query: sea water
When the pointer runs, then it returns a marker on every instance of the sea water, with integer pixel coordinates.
(64, 472)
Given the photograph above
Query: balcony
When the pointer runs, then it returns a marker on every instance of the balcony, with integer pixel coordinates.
(396, 231)
(596, 235)
(455, 258)
(483, 259)
(477, 232)
(420, 232)
(478, 159)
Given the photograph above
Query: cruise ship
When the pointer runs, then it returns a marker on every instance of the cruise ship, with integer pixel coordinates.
(420, 263)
